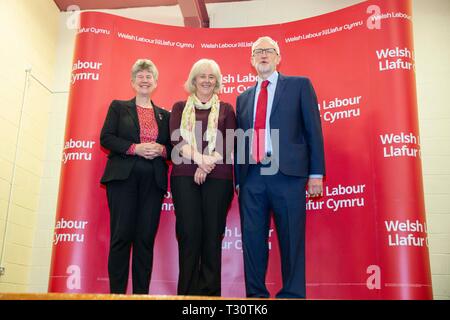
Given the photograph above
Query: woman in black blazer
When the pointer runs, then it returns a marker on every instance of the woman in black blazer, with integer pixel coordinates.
(136, 132)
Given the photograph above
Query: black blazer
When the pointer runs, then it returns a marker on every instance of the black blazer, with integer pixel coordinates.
(120, 130)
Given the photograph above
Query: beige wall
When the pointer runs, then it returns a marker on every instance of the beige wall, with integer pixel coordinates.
(264, 12)
(28, 36)
(431, 34)
(32, 218)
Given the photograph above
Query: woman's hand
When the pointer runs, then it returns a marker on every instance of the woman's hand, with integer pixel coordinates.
(149, 150)
(200, 176)
(217, 156)
(207, 164)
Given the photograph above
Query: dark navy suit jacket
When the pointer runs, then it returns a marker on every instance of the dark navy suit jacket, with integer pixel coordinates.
(296, 115)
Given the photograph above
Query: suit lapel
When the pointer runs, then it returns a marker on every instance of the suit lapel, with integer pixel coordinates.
(131, 108)
(159, 117)
(281, 84)
(250, 107)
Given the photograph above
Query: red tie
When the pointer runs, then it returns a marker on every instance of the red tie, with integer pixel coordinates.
(258, 145)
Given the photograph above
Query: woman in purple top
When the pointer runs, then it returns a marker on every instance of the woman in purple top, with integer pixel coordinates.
(202, 178)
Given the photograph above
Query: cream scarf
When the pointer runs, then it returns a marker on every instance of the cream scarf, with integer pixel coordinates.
(187, 126)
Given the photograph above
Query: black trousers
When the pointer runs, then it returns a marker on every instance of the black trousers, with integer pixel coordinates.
(135, 206)
(201, 213)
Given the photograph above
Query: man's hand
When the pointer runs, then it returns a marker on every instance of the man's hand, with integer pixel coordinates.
(315, 187)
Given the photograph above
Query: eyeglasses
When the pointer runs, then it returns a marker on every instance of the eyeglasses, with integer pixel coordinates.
(268, 51)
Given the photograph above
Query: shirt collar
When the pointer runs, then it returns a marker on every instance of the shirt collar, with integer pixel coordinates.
(272, 78)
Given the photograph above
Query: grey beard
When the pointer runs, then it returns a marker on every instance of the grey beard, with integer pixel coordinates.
(264, 69)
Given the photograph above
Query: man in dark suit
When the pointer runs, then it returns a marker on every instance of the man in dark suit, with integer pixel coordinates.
(284, 155)
(136, 133)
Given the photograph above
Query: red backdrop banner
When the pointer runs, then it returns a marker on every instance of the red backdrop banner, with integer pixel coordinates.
(366, 237)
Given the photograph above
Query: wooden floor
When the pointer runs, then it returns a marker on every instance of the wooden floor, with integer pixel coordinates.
(78, 296)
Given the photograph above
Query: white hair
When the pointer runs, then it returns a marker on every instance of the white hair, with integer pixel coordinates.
(268, 39)
(198, 68)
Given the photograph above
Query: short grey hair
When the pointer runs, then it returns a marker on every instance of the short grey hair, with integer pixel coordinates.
(268, 39)
(144, 64)
(197, 68)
